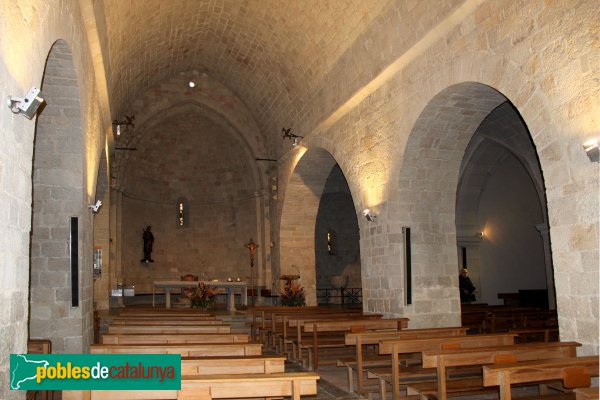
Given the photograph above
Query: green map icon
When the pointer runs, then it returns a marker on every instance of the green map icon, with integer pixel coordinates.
(24, 368)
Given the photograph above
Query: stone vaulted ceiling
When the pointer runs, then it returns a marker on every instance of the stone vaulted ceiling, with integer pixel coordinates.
(273, 54)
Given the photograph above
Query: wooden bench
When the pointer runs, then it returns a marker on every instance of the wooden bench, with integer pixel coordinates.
(261, 318)
(151, 338)
(164, 314)
(397, 347)
(480, 356)
(167, 321)
(290, 332)
(278, 321)
(186, 350)
(232, 365)
(169, 329)
(336, 329)
(575, 372)
(372, 338)
(292, 384)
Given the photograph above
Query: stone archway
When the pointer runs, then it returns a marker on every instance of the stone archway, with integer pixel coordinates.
(428, 179)
(337, 249)
(501, 214)
(301, 206)
(58, 196)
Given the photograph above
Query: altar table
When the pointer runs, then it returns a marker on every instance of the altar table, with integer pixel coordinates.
(231, 288)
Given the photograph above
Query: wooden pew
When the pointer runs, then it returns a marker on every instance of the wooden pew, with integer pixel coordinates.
(168, 329)
(360, 339)
(575, 372)
(167, 321)
(206, 366)
(261, 317)
(294, 322)
(186, 350)
(397, 347)
(480, 356)
(232, 365)
(161, 314)
(278, 319)
(337, 330)
(293, 384)
(149, 338)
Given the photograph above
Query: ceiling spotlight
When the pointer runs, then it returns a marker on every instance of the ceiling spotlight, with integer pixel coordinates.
(592, 149)
(369, 215)
(28, 105)
(192, 84)
(287, 133)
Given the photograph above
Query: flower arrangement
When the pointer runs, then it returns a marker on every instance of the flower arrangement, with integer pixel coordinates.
(293, 295)
(203, 296)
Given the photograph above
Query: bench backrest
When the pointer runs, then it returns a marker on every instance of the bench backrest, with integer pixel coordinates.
(355, 324)
(574, 371)
(374, 337)
(419, 345)
(495, 354)
(301, 320)
(169, 321)
(186, 350)
(232, 365)
(145, 338)
(169, 329)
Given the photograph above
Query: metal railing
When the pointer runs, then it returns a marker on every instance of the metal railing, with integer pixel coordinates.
(339, 296)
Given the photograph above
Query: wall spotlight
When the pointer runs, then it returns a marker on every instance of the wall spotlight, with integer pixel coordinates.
(592, 149)
(28, 105)
(95, 207)
(369, 215)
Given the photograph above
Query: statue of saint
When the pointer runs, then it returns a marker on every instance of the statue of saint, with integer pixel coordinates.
(148, 243)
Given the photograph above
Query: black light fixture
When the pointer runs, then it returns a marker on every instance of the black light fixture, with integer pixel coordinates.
(287, 133)
(124, 125)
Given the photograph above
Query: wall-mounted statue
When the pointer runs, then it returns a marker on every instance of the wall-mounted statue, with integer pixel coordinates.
(148, 244)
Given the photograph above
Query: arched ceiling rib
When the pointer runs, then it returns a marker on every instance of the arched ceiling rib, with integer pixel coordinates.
(273, 54)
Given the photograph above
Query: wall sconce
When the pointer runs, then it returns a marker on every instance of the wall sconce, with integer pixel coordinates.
(288, 134)
(369, 215)
(123, 126)
(592, 149)
(28, 105)
(95, 207)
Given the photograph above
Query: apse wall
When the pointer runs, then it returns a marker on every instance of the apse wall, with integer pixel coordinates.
(193, 159)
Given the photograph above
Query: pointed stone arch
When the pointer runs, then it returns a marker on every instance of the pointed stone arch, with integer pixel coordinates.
(428, 180)
(300, 208)
(58, 195)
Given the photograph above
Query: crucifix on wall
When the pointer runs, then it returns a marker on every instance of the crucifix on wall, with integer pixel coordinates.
(252, 247)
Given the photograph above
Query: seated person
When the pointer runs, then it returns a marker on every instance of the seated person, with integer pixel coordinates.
(467, 289)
